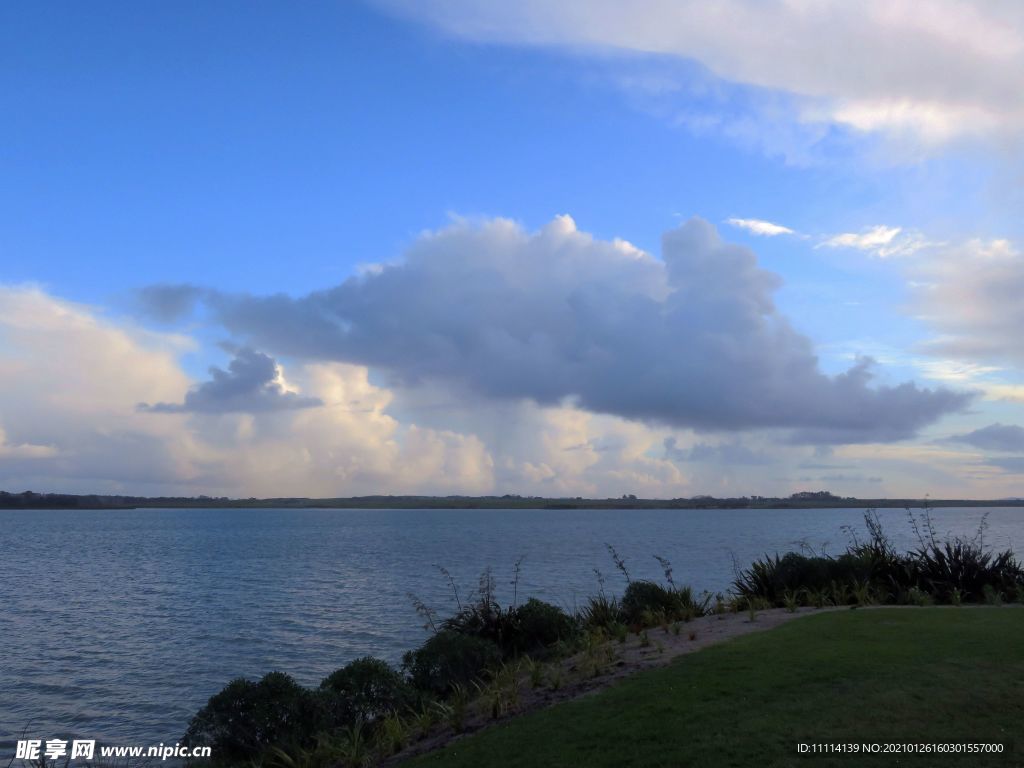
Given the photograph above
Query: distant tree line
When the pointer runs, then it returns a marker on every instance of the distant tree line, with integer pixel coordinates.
(802, 499)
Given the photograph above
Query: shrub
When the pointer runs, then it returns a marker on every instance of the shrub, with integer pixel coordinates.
(952, 571)
(764, 578)
(487, 620)
(790, 601)
(245, 718)
(449, 659)
(645, 597)
(966, 566)
(526, 629)
(880, 566)
(778, 580)
(537, 625)
(919, 597)
(366, 690)
(992, 595)
(647, 602)
(602, 612)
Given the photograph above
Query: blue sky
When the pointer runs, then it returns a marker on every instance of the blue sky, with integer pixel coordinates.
(251, 149)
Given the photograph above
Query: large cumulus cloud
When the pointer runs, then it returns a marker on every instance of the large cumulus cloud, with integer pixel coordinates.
(692, 340)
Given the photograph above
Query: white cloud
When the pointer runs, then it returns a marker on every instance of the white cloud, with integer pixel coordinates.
(880, 241)
(761, 227)
(959, 371)
(567, 451)
(925, 70)
(872, 238)
(350, 445)
(1013, 393)
(931, 123)
(63, 352)
(73, 379)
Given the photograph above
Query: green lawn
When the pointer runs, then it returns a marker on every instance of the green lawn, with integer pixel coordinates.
(891, 675)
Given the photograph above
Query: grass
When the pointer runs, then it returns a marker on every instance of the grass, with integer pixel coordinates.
(900, 675)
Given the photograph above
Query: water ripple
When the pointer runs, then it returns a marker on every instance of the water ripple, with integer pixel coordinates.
(118, 625)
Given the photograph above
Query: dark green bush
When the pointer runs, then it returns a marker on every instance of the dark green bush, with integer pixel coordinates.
(537, 625)
(951, 571)
(967, 568)
(449, 659)
(645, 602)
(814, 573)
(484, 619)
(761, 580)
(646, 597)
(245, 718)
(366, 690)
(523, 629)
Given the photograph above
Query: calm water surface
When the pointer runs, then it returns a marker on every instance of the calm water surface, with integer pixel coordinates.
(118, 625)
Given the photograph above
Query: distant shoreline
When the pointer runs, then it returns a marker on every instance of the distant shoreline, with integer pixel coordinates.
(818, 500)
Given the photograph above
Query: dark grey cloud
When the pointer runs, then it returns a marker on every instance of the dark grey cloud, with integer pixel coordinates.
(726, 453)
(167, 303)
(249, 385)
(994, 437)
(694, 340)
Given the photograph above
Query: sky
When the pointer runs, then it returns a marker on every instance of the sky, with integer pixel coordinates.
(582, 248)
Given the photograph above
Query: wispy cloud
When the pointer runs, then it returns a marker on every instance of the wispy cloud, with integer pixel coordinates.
(953, 370)
(880, 240)
(874, 237)
(761, 227)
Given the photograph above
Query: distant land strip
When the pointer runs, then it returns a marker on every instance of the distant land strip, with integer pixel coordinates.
(802, 500)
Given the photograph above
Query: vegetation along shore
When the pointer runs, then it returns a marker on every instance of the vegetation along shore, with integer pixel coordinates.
(509, 671)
